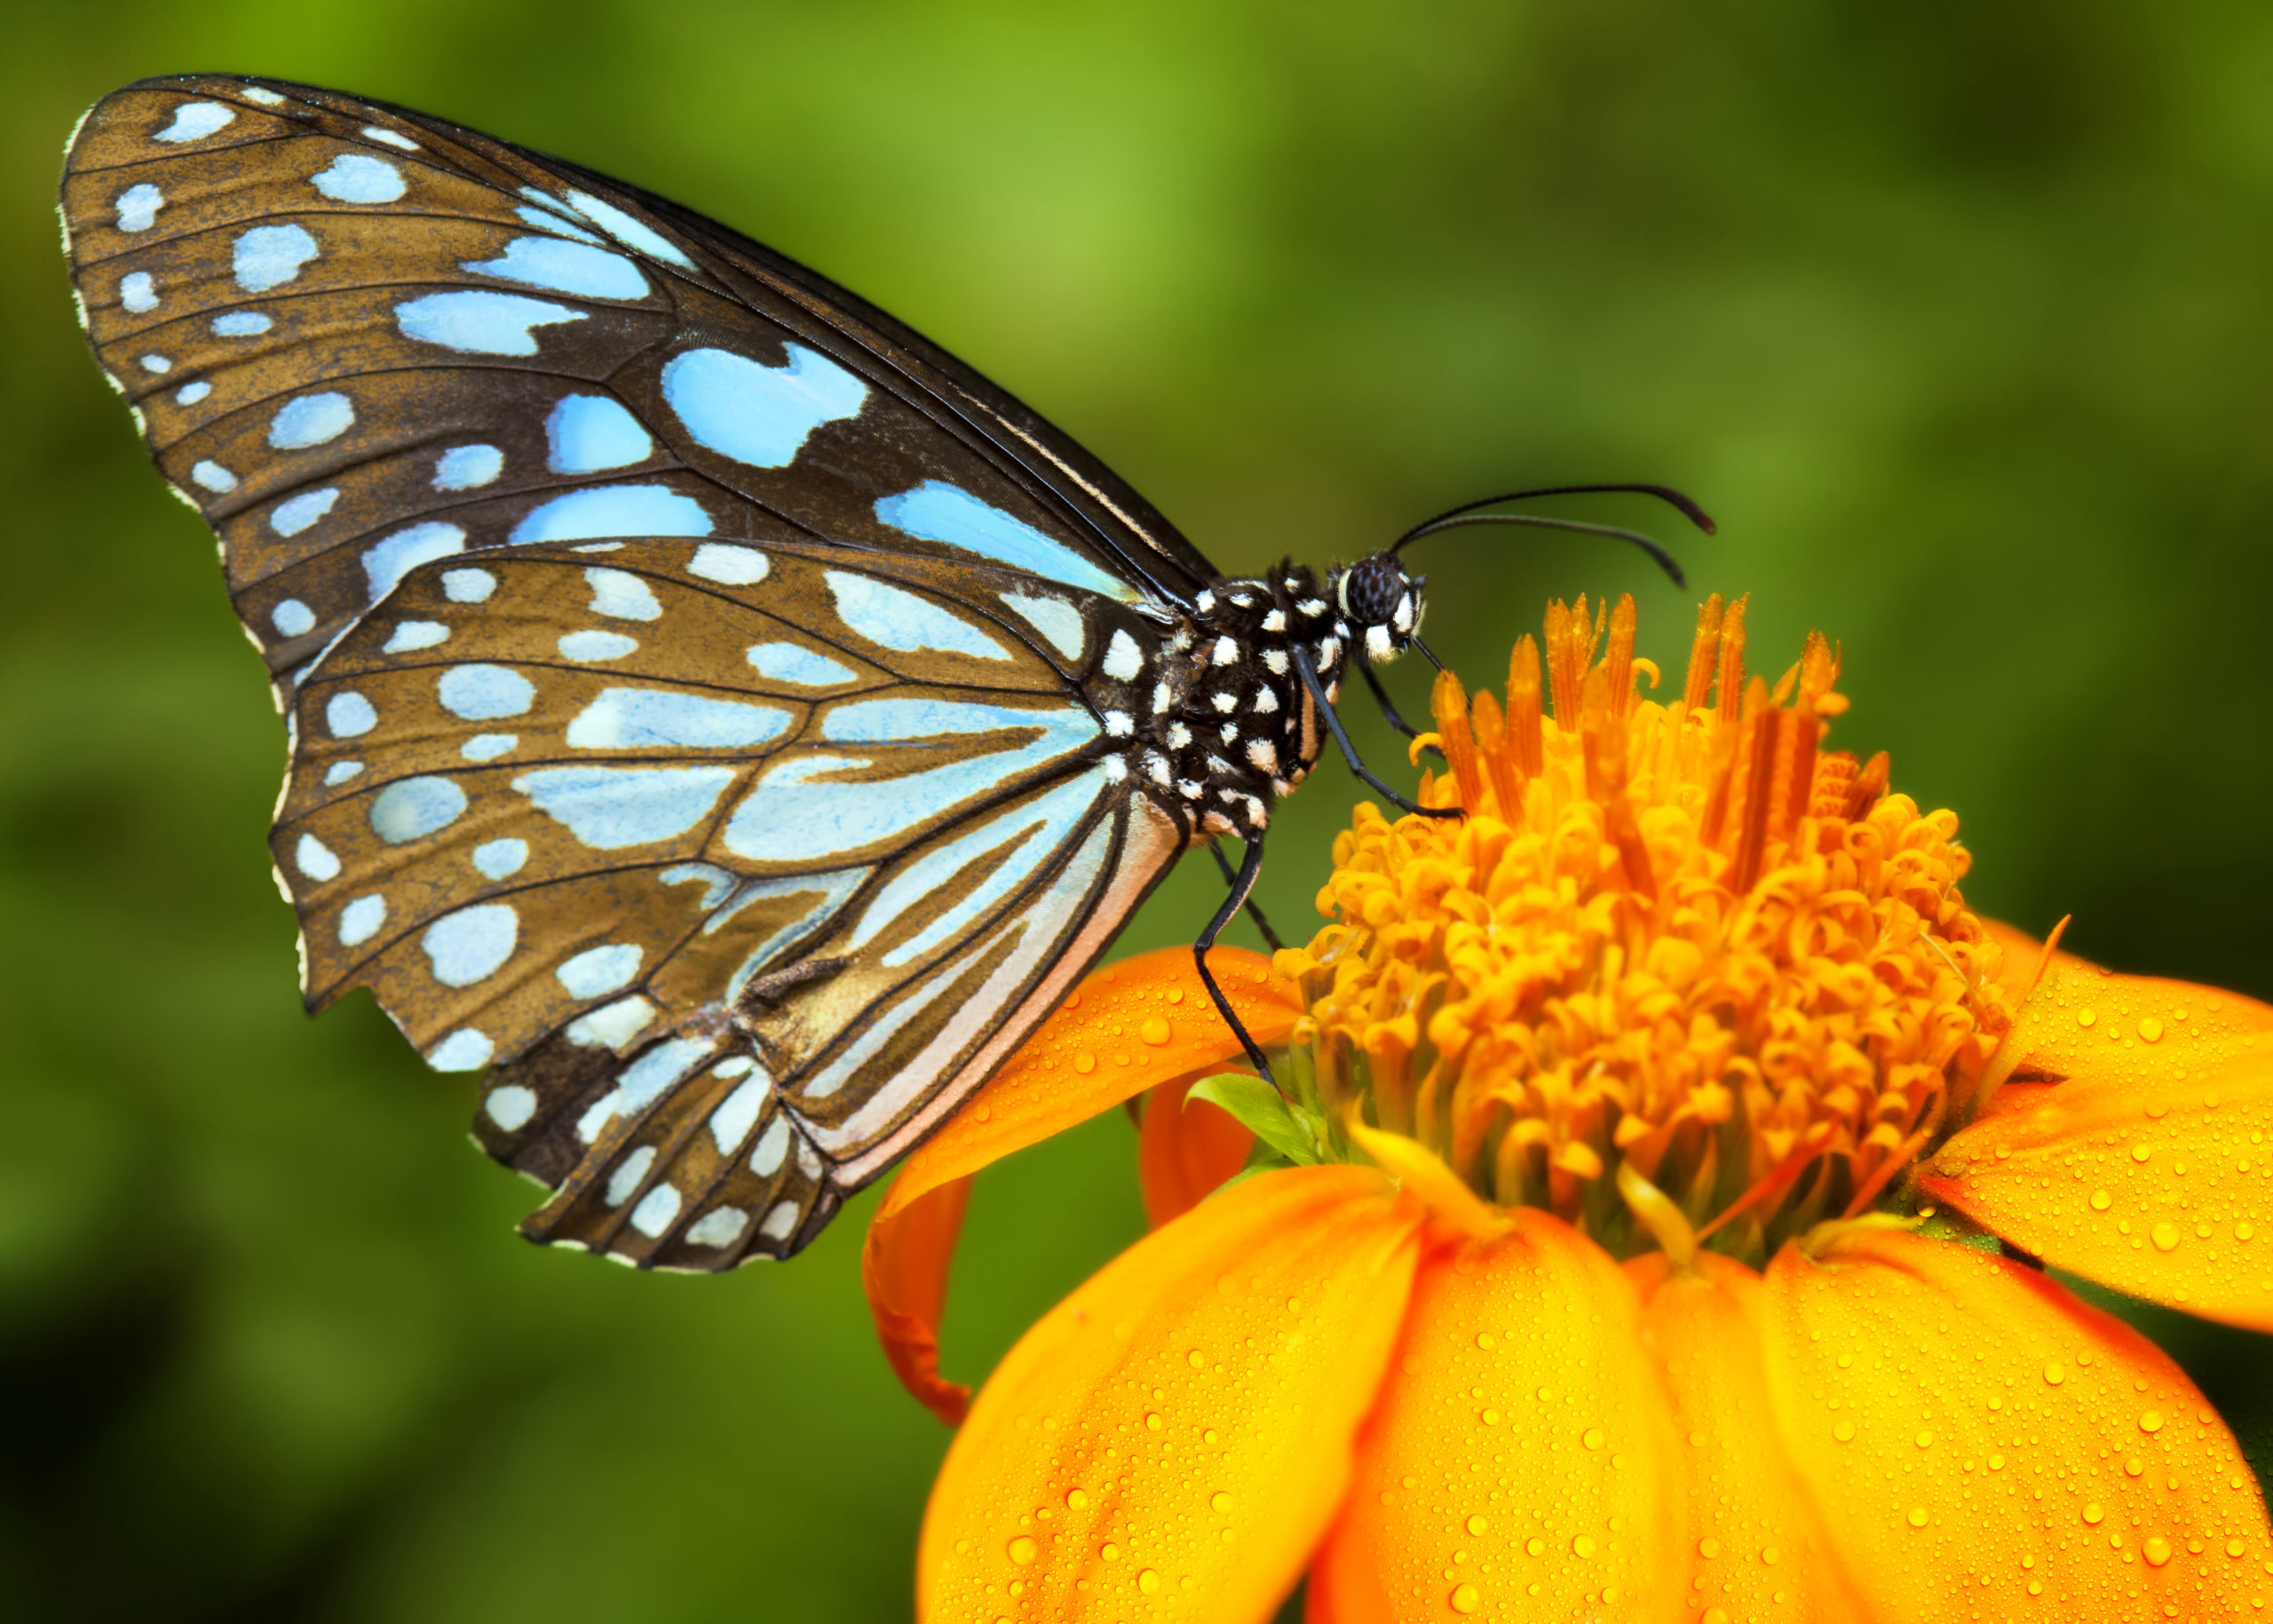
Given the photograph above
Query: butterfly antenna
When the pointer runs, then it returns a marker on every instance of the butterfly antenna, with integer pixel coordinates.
(1677, 500)
(1649, 544)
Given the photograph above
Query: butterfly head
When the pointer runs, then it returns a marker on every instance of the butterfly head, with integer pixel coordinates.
(1381, 603)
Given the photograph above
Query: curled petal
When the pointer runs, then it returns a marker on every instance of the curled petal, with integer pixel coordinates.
(2148, 1164)
(1751, 1538)
(1130, 1027)
(904, 1270)
(1186, 1149)
(1177, 1432)
(1983, 1444)
(1521, 1463)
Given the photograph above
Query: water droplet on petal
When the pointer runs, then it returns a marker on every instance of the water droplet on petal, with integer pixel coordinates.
(2165, 1235)
(1110, 1551)
(1535, 1547)
(1476, 1524)
(2140, 1152)
(1594, 1437)
(2055, 1373)
(2101, 1200)
(1219, 1502)
(1084, 1061)
(1844, 1431)
(1583, 1545)
(1077, 1500)
(1918, 1516)
(2094, 1512)
(2155, 1550)
(1708, 1549)
(1148, 1581)
(1154, 1031)
(2151, 1421)
(2151, 1030)
(1023, 1549)
(1467, 1598)
(2086, 1017)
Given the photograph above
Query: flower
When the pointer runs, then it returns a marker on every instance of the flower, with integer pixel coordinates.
(1650, 1225)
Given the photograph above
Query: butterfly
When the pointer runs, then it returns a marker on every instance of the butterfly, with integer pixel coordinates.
(715, 713)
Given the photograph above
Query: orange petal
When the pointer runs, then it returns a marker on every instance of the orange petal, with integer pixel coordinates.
(1186, 1149)
(1128, 1028)
(1176, 1433)
(1986, 1445)
(2149, 1166)
(904, 1263)
(1752, 1543)
(1521, 1463)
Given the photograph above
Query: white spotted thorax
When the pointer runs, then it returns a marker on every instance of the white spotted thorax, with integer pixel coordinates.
(718, 715)
(1223, 721)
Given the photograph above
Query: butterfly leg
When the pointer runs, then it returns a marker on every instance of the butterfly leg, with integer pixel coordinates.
(1380, 697)
(1269, 937)
(1242, 883)
(1317, 691)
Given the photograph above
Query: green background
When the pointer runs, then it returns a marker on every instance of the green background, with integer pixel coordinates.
(1958, 314)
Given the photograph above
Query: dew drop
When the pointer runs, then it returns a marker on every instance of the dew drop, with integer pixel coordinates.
(1467, 1598)
(1918, 1518)
(2132, 1467)
(2055, 1373)
(1997, 1462)
(2101, 1200)
(1924, 1440)
(1583, 1545)
(1152, 1422)
(1023, 1549)
(1844, 1431)
(1219, 1502)
(2151, 1421)
(2086, 1017)
(1535, 1547)
(1486, 1340)
(2140, 1152)
(2094, 1512)
(2155, 1550)
(1708, 1549)
(2234, 1547)
(1148, 1581)
(2243, 1230)
(1196, 1360)
(1476, 1524)
(1077, 1500)
(1593, 1438)
(1154, 1031)
(1491, 1418)
(2165, 1235)
(2150, 1031)
(1771, 1555)
(1110, 1551)
(1084, 1061)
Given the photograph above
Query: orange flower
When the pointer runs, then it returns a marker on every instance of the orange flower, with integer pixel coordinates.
(1626, 1240)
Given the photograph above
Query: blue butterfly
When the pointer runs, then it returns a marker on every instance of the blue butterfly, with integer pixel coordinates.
(716, 712)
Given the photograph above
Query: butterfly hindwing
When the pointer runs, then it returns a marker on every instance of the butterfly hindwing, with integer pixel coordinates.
(357, 338)
(741, 864)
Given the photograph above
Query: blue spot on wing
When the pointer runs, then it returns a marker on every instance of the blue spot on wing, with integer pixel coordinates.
(613, 510)
(609, 808)
(479, 323)
(565, 267)
(590, 432)
(648, 719)
(938, 511)
(756, 414)
(904, 622)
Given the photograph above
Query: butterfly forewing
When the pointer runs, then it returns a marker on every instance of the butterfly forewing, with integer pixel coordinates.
(701, 701)
(358, 338)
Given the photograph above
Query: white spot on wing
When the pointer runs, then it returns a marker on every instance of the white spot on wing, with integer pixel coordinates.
(315, 859)
(469, 946)
(1123, 659)
(488, 747)
(269, 255)
(193, 121)
(292, 618)
(484, 693)
(405, 551)
(463, 468)
(1053, 617)
(379, 133)
(349, 715)
(773, 1148)
(651, 718)
(498, 859)
(628, 1174)
(591, 645)
(214, 478)
(598, 971)
(782, 1222)
(797, 665)
(360, 920)
(621, 596)
(137, 207)
(310, 420)
(614, 1024)
(469, 1051)
(294, 514)
(468, 586)
(413, 808)
(624, 229)
(655, 1211)
(511, 1107)
(904, 622)
(719, 1227)
(730, 1122)
(359, 178)
(412, 635)
(137, 292)
(726, 564)
(938, 511)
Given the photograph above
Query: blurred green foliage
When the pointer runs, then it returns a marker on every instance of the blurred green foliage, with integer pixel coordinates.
(1959, 313)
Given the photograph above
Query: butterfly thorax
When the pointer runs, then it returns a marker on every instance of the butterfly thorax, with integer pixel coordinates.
(1229, 724)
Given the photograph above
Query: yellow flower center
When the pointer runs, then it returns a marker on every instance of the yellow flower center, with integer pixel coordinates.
(1679, 974)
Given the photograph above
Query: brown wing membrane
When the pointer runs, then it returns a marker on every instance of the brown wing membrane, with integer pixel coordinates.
(741, 865)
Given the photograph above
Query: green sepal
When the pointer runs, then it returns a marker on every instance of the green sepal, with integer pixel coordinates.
(1258, 1107)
